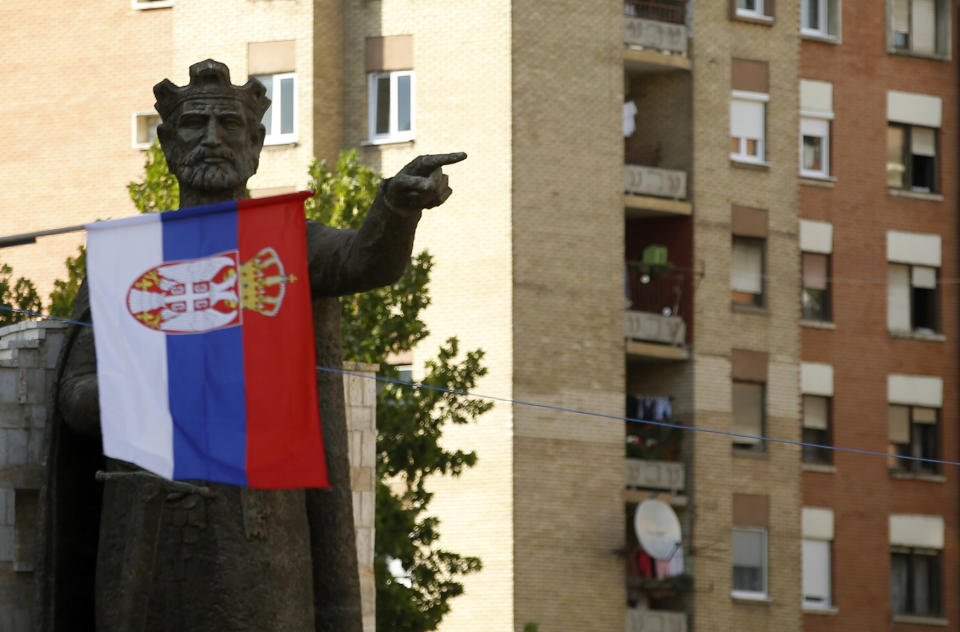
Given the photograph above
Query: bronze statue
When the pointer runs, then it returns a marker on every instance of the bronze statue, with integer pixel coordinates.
(139, 553)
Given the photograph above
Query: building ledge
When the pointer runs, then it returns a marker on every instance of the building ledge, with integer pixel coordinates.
(909, 53)
(654, 350)
(640, 495)
(918, 620)
(750, 165)
(916, 195)
(818, 324)
(822, 468)
(917, 335)
(748, 453)
(653, 61)
(917, 476)
(823, 183)
(643, 205)
(829, 610)
(751, 19)
(815, 36)
(751, 598)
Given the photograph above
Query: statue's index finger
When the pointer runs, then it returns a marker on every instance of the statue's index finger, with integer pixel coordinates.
(433, 161)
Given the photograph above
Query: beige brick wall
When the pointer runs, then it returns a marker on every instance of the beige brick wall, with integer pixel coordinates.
(462, 64)
(73, 81)
(717, 473)
(568, 223)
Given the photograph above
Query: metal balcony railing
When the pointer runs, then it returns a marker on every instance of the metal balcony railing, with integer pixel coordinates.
(654, 289)
(671, 11)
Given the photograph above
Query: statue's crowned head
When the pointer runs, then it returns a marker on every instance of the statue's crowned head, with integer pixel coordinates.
(211, 133)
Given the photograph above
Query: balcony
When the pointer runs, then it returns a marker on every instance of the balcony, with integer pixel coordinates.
(653, 326)
(666, 475)
(655, 621)
(650, 189)
(655, 36)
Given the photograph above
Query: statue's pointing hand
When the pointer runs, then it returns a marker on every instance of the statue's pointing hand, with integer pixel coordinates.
(422, 183)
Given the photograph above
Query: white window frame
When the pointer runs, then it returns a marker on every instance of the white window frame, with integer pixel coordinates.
(827, 603)
(942, 26)
(825, 118)
(151, 4)
(393, 135)
(741, 154)
(757, 12)
(276, 109)
(764, 562)
(135, 140)
(825, 9)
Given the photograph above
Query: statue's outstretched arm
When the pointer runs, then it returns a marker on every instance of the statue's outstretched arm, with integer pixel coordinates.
(347, 261)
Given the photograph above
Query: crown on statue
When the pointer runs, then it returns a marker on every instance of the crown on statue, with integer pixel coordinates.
(263, 282)
(210, 79)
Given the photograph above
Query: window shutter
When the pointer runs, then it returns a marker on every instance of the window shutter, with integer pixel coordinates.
(898, 298)
(815, 412)
(899, 428)
(769, 8)
(924, 277)
(814, 271)
(746, 119)
(816, 571)
(732, 6)
(747, 548)
(924, 27)
(923, 141)
(747, 269)
(747, 411)
(925, 415)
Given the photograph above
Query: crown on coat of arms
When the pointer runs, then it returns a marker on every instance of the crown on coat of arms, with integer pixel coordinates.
(263, 282)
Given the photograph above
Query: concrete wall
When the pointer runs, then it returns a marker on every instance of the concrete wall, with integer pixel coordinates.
(28, 358)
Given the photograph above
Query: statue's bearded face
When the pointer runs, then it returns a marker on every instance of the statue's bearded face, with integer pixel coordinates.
(212, 145)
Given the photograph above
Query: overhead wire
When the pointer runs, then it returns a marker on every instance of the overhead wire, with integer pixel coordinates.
(572, 411)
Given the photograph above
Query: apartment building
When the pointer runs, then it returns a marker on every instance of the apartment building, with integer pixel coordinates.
(878, 231)
(671, 209)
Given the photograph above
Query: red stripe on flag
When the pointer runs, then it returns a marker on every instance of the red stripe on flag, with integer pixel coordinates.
(284, 442)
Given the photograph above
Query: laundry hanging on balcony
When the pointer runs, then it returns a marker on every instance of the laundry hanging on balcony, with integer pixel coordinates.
(649, 408)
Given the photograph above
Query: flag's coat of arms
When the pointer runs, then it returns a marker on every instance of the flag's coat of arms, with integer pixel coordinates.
(205, 353)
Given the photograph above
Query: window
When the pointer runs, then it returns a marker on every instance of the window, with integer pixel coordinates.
(747, 126)
(919, 27)
(912, 298)
(280, 119)
(746, 271)
(817, 531)
(821, 18)
(816, 429)
(748, 415)
(915, 581)
(816, 112)
(816, 286)
(391, 105)
(914, 432)
(816, 573)
(912, 158)
(753, 9)
(145, 129)
(749, 548)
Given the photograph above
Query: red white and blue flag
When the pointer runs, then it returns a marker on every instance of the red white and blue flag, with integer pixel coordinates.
(204, 340)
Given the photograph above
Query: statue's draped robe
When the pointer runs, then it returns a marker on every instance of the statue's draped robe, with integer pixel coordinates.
(138, 554)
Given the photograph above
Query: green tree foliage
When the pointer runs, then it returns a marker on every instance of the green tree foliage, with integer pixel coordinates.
(16, 294)
(415, 577)
(65, 292)
(159, 190)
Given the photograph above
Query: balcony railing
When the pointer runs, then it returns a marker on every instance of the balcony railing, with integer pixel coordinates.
(665, 475)
(655, 621)
(665, 183)
(654, 289)
(671, 11)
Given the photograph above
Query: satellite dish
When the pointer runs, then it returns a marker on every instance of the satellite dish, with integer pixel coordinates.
(658, 528)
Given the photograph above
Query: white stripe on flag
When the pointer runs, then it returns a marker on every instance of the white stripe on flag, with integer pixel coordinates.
(131, 358)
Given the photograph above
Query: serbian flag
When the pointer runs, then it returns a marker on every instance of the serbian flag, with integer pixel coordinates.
(204, 337)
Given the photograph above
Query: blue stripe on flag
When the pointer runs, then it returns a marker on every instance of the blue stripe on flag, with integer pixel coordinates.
(205, 371)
